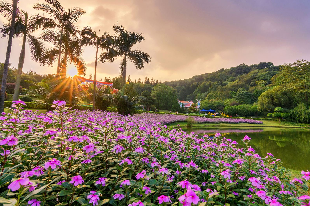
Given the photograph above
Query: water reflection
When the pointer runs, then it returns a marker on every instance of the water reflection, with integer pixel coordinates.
(291, 146)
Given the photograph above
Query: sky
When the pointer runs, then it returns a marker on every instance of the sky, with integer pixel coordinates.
(189, 37)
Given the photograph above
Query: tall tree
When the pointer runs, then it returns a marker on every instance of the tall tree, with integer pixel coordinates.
(124, 41)
(59, 29)
(7, 58)
(24, 28)
(90, 38)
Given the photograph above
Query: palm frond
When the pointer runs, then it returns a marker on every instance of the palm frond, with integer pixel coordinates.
(39, 54)
(6, 9)
(88, 37)
(48, 9)
(37, 21)
(56, 5)
(139, 58)
(50, 36)
(75, 14)
(109, 55)
(19, 28)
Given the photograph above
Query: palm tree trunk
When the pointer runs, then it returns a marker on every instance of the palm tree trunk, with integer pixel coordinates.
(20, 63)
(124, 70)
(7, 58)
(59, 54)
(63, 71)
(95, 82)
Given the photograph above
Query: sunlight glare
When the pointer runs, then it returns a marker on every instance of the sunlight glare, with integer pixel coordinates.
(72, 71)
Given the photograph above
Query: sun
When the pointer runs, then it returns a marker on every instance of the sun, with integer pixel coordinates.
(72, 71)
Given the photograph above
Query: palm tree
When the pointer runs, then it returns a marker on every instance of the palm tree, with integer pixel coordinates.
(59, 29)
(7, 59)
(22, 27)
(124, 42)
(90, 38)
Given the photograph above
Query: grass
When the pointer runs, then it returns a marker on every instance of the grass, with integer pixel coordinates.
(268, 125)
(7, 110)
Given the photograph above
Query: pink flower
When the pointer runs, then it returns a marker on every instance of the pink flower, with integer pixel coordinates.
(118, 196)
(19, 102)
(128, 161)
(185, 184)
(195, 188)
(12, 140)
(306, 175)
(89, 148)
(261, 194)
(274, 202)
(5, 153)
(34, 202)
(139, 150)
(117, 149)
(238, 161)
(147, 190)
(93, 197)
(101, 181)
(59, 103)
(77, 180)
(163, 198)
(141, 174)
(31, 186)
(4, 141)
(125, 182)
(246, 137)
(191, 197)
(87, 161)
(226, 174)
(17, 183)
(52, 163)
(163, 171)
(139, 203)
(304, 197)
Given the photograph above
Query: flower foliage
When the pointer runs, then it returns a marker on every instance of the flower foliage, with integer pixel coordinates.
(93, 158)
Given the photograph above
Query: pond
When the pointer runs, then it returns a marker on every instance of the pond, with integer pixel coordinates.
(292, 146)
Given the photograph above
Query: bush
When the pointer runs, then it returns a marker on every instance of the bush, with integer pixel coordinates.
(244, 110)
(124, 105)
(300, 114)
(26, 99)
(190, 121)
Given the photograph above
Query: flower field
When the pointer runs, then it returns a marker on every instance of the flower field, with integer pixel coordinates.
(70, 157)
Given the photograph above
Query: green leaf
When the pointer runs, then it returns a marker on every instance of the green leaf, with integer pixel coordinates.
(218, 188)
(81, 200)
(153, 182)
(105, 201)
(7, 202)
(39, 190)
(4, 201)
(64, 192)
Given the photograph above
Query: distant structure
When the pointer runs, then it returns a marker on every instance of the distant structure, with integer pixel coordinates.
(85, 83)
(188, 104)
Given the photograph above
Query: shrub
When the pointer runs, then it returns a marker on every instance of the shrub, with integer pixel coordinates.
(244, 110)
(26, 99)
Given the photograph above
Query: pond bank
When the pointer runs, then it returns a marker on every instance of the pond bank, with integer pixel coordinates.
(268, 125)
